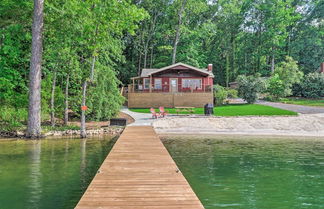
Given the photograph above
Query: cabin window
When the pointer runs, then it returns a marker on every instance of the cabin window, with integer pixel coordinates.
(158, 83)
(146, 83)
(191, 83)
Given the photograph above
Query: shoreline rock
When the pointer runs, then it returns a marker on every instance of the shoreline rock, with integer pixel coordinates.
(92, 132)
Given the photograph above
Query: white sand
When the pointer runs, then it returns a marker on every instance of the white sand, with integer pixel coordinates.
(302, 125)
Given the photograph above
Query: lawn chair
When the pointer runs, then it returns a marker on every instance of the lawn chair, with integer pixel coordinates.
(163, 113)
(154, 114)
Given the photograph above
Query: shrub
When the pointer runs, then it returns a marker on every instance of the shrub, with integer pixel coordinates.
(220, 95)
(276, 88)
(313, 85)
(288, 72)
(297, 90)
(250, 87)
(12, 118)
(285, 77)
(232, 93)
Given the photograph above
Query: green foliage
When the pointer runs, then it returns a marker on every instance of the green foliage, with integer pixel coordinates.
(286, 76)
(276, 87)
(288, 72)
(250, 87)
(75, 31)
(220, 95)
(103, 94)
(238, 37)
(313, 85)
(232, 93)
(12, 118)
(60, 128)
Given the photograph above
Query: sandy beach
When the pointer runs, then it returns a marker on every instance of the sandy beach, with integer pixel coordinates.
(301, 125)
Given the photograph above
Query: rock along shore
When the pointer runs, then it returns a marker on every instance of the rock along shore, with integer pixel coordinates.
(112, 130)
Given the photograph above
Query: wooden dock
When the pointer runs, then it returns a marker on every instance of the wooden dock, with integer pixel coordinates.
(139, 173)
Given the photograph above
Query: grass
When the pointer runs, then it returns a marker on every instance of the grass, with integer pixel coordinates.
(60, 128)
(230, 110)
(303, 101)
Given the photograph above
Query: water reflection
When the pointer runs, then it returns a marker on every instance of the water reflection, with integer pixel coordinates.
(252, 173)
(83, 164)
(48, 174)
(35, 187)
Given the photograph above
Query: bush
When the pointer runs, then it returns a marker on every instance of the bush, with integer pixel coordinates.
(220, 95)
(286, 76)
(232, 93)
(250, 87)
(313, 85)
(276, 88)
(12, 118)
(289, 73)
(297, 90)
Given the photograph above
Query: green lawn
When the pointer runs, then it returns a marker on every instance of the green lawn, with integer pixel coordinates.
(306, 102)
(231, 110)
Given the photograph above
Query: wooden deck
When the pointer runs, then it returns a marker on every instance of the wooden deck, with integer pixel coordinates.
(139, 173)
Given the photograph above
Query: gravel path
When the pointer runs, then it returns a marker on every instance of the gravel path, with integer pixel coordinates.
(296, 108)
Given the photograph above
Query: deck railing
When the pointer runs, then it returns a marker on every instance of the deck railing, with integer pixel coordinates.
(167, 88)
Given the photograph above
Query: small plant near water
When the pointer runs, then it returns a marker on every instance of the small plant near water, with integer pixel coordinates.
(12, 118)
(60, 128)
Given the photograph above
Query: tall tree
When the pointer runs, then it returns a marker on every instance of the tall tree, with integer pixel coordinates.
(34, 110)
(178, 30)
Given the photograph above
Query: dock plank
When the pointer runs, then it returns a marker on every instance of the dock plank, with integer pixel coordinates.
(139, 173)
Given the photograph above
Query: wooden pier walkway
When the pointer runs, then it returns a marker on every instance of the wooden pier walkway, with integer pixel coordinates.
(139, 173)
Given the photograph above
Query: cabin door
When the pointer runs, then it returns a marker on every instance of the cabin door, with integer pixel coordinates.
(174, 84)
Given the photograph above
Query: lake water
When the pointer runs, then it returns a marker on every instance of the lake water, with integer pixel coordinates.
(50, 173)
(252, 173)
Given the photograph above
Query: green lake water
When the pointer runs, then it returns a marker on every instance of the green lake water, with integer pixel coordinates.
(252, 173)
(49, 173)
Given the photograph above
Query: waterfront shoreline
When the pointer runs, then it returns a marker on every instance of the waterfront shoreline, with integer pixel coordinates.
(302, 125)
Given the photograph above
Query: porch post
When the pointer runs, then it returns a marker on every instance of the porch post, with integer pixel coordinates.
(133, 87)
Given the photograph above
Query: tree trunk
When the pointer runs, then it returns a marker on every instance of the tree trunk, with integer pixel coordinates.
(34, 109)
(272, 63)
(233, 57)
(227, 69)
(145, 56)
(139, 64)
(53, 100)
(152, 54)
(66, 110)
(178, 31)
(83, 132)
(245, 62)
(92, 68)
(151, 33)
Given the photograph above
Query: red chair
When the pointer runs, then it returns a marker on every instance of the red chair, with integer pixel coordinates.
(154, 114)
(163, 113)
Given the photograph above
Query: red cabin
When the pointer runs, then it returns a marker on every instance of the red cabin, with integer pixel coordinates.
(172, 81)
